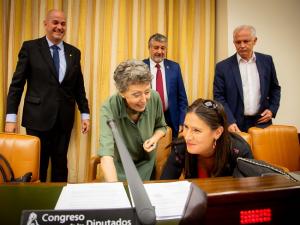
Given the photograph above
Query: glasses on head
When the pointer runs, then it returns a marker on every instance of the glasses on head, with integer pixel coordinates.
(209, 104)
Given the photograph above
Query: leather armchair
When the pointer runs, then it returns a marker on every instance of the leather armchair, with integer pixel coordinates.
(162, 154)
(277, 144)
(22, 153)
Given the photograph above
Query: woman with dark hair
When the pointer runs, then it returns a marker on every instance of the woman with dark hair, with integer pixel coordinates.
(206, 149)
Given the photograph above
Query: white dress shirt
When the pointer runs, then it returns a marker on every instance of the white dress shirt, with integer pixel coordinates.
(251, 85)
(62, 59)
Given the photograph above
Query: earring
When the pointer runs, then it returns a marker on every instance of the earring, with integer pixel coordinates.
(215, 143)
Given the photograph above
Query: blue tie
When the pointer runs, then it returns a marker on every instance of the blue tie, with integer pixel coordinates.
(55, 49)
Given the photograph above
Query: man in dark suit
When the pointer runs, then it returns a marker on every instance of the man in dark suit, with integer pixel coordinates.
(54, 79)
(174, 96)
(246, 84)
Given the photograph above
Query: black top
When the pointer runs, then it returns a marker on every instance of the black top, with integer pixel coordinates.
(179, 158)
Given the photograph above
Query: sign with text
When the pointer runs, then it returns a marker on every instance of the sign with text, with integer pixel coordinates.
(123, 216)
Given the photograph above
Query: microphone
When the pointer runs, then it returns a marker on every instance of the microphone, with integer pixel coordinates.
(144, 209)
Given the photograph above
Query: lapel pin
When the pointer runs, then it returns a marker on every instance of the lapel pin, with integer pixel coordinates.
(70, 55)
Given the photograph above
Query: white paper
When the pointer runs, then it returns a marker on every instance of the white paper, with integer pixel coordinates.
(93, 196)
(169, 198)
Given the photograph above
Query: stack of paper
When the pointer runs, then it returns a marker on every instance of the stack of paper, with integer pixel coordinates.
(93, 196)
(169, 199)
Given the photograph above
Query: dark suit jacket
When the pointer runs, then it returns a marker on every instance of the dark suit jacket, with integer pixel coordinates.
(46, 100)
(177, 100)
(228, 88)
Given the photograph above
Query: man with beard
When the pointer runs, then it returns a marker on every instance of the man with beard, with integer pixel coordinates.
(167, 82)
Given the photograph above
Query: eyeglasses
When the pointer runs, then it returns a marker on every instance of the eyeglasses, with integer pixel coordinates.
(209, 104)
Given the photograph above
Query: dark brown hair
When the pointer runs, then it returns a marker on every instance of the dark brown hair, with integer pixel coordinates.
(213, 114)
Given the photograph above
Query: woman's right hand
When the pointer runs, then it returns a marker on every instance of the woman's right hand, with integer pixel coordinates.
(149, 145)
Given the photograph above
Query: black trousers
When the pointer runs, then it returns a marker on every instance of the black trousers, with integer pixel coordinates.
(54, 146)
(251, 121)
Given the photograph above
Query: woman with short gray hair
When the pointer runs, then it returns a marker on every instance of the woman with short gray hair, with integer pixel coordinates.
(137, 110)
(131, 72)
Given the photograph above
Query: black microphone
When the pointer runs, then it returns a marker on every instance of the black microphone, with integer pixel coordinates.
(145, 211)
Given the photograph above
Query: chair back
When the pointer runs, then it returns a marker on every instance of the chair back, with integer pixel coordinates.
(163, 152)
(276, 144)
(22, 152)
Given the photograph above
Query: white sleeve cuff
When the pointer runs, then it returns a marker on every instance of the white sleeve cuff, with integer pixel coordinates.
(85, 116)
(11, 118)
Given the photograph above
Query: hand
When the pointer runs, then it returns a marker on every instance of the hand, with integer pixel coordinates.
(180, 128)
(265, 116)
(233, 128)
(149, 145)
(85, 126)
(10, 127)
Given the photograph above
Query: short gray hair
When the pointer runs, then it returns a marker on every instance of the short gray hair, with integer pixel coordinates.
(157, 37)
(131, 72)
(245, 27)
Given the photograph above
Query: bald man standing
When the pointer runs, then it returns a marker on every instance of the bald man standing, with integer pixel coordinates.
(54, 79)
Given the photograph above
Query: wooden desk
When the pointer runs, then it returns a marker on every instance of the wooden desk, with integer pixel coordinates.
(226, 197)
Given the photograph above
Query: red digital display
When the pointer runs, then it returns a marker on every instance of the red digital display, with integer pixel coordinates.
(255, 216)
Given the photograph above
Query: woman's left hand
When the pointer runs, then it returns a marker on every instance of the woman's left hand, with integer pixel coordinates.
(150, 144)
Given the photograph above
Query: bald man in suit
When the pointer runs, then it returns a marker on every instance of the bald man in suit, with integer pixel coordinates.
(52, 70)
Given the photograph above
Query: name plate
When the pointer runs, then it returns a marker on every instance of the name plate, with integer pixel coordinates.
(124, 216)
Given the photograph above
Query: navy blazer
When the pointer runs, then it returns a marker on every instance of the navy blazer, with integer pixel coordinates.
(228, 88)
(177, 99)
(46, 100)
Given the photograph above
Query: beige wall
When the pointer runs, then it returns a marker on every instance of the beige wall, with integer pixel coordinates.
(277, 24)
